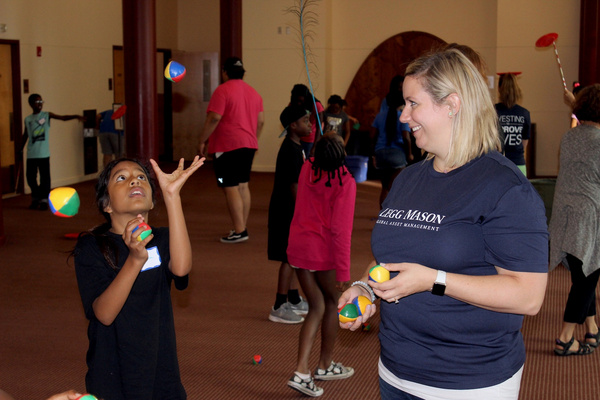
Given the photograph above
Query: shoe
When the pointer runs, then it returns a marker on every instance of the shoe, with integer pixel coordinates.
(300, 308)
(306, 386)
(285, 315)
(583, 349)
(335, 371)
(34, 205)
(235, 237)
(43, 205)
(591, 336)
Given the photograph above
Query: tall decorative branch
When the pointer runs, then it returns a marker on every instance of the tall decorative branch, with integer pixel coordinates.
(308, 19)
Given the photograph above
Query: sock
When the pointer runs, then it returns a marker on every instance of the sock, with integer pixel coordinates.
(293, 296)
(279, 300)
(302, 376)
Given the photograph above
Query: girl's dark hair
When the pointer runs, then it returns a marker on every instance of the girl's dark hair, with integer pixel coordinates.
(330, 157)
(587, 104)
(100, 232)
(394, 99)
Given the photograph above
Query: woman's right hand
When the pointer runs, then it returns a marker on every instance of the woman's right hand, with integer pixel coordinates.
(346, 298)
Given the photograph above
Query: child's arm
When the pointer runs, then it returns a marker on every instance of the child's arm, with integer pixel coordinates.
(346, 132)
(66, 117)
(109, 304)
(179, 240)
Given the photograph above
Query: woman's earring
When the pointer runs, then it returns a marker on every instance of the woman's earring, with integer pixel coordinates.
(450, 113)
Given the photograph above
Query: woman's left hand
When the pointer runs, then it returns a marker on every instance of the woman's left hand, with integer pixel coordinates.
(412, 278)
(171, 184)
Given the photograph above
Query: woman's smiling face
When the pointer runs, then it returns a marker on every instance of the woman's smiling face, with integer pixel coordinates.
(430, 123)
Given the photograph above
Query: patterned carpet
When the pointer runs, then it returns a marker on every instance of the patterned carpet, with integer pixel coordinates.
(221, 320)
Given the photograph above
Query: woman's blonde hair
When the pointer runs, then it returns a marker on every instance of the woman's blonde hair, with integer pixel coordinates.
(509, 92)
(475, 125)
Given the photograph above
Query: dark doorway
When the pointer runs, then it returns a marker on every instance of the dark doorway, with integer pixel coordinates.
(11, 159)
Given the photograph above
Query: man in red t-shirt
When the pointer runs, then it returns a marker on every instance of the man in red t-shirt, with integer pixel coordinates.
(233, 122)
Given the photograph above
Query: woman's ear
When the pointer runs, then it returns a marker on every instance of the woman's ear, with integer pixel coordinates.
(454, 103)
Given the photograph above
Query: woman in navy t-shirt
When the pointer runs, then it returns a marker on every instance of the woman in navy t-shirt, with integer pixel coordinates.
(464, 236)
(514, 120)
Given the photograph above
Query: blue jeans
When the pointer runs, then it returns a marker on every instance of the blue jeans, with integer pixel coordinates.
(388, 392)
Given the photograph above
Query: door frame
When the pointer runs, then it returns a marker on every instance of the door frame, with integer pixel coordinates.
(16, 132)
(165, 120)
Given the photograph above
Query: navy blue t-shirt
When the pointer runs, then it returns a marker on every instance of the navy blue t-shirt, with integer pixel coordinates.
(515, 125)
(481, 215)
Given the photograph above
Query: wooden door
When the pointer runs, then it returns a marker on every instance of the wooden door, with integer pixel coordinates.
(10, 119)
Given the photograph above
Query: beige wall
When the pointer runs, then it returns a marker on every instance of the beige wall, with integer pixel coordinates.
(199, 27)
(503, 31)
(77, 38)
(541, 82)
(72, 74)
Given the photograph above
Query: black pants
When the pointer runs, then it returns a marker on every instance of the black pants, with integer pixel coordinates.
(38, 192)
(582, 297)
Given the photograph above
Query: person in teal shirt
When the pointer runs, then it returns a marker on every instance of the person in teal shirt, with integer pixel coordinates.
(37, 129)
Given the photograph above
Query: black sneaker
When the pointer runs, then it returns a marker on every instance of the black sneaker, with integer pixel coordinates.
(43, 205)
(235, 237)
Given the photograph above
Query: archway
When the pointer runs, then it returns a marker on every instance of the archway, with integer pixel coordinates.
(371, 83)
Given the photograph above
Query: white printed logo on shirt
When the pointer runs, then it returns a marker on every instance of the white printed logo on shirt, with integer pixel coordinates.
(153, 260)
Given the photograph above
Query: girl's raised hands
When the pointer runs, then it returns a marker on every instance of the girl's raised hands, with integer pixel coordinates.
(172, 183)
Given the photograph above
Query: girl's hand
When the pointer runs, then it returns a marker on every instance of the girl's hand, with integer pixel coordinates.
(412, 278)
(347, 297)
(171, 184)
(137, 249)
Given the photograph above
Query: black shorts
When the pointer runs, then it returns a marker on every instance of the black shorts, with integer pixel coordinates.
(233, 167)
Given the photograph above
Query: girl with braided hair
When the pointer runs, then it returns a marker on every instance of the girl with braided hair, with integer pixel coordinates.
(319, 249)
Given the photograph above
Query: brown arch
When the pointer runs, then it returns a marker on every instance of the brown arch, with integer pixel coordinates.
(371, 83)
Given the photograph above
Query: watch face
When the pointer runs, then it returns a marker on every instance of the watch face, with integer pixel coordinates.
(438, 289)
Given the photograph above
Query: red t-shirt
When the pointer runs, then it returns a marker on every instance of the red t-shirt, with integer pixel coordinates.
(239, 105)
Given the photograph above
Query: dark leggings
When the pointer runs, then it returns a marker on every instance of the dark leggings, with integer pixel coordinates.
(41, 191)
(582, 297)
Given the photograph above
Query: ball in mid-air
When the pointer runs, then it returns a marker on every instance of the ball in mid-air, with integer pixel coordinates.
(257, 359)
(379, 274)
(63, 202)
(174, 71)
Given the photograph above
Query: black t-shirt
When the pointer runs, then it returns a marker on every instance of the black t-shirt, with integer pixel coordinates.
(281, 208)
(135, 357)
